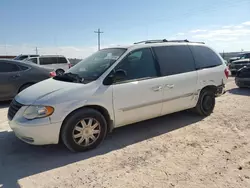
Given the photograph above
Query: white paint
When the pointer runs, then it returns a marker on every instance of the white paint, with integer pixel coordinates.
(126, 103)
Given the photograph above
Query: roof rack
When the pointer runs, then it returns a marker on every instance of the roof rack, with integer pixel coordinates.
(165, 40)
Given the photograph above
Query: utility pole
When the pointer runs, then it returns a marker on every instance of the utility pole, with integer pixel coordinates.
(36, 51)
(99, 36)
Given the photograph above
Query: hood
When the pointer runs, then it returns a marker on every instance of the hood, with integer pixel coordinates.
(52, 91)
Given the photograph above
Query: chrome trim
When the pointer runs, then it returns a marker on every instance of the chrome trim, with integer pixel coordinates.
(156, 102)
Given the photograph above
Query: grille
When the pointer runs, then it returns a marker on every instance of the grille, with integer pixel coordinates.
(14, 107)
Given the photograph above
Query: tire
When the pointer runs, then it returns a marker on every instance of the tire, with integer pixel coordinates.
(24, 87)
(239, 86)
(206, 103)
(73, 126)
(60, 72)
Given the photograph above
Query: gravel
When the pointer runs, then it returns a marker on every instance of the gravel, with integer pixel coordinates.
(177, 150)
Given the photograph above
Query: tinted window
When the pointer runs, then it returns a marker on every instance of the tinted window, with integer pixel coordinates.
(174, 59)
(8, 67)
(47, 60)
(205, 57)
(23, 67)
(138, 65)
(22, 57)
(61, 60)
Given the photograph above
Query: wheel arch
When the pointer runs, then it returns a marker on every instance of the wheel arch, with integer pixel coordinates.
(27, 83)
(209, 87)
(60, 69)
(98, 108)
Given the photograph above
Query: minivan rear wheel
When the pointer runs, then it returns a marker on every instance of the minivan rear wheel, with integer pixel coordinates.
(83, 130)
(59, 72)
(206, 103)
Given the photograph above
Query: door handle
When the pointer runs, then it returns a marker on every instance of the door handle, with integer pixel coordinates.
(157, 88)
(170, 86)
(16, 76)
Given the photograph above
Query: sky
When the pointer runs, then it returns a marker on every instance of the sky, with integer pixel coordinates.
(66, 27)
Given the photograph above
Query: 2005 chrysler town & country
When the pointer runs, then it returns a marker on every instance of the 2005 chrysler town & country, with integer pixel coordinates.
(115, 87)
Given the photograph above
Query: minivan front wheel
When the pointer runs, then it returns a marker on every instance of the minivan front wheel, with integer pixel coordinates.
(83, 130)
(206, 103)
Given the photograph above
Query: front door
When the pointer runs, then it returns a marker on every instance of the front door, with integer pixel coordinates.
(138, 96)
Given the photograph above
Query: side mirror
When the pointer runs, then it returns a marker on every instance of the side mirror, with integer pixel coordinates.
(115, 76)
(120, 74)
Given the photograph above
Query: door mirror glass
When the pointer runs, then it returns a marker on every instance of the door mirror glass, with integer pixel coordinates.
(115, 76)
(120, 75)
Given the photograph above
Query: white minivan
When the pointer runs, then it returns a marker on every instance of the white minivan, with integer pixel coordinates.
(57, 62)
(116, 87)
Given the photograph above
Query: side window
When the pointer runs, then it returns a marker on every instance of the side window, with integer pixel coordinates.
(139, 64)
(205, 57)
(23, 57)
(23, 67)
(47, 60)
(9, 67)
(174, 59)
(62, 60)
(33, 60)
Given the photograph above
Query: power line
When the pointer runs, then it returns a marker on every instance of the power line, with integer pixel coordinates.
(36, 51)
(99, 36)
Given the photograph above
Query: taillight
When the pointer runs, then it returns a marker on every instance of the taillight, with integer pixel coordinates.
(52, 74)
(70, 65)
(226, 71)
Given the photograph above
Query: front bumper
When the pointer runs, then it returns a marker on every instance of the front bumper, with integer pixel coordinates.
(37, 131)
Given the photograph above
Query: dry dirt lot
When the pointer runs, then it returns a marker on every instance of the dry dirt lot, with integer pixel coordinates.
(179, 150)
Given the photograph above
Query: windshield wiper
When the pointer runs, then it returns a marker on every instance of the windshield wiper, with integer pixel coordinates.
(69, 77)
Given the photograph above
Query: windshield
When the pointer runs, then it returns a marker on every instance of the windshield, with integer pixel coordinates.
(20, 57)
(95, 65)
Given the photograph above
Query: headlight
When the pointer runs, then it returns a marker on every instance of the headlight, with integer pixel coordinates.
(33, 112)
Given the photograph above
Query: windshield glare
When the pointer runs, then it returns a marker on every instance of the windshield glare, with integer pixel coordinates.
(95, 65)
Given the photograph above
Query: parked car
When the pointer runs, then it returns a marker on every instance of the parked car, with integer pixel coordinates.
(23, 57)
(241, 56)
(116, 87)
(59, 63)
(242, 78)
(236, 65)
(16, 76)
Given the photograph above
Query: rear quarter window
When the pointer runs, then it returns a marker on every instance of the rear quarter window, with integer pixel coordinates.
(23, 67)
(205, 57)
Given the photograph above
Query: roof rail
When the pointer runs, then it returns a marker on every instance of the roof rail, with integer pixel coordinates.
(151, 41)
(165, 40)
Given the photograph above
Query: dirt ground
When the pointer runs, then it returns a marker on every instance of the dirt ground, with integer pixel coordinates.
(180, 150)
